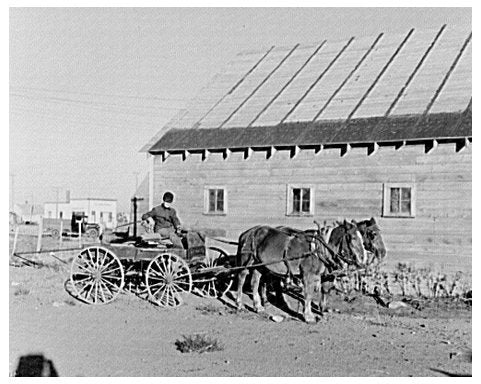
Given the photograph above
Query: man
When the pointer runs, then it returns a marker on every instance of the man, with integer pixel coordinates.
(165, 221)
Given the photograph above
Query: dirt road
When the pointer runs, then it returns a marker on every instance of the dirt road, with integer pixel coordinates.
(131, 337)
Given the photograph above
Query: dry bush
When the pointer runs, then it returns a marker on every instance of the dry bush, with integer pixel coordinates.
(209, 309)
(407, 281)
(21, 292)
(198, 343)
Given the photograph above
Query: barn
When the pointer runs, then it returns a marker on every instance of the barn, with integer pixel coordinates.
(376, 126)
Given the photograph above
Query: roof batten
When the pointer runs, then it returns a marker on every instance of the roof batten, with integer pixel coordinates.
(235, 85)
(288, 82)
(260, 85)
(416, 69)
(348, 76)
(448, 74)
(343, 49)
(371, 87)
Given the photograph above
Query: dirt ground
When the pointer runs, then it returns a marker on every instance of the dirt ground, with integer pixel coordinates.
(131, 337)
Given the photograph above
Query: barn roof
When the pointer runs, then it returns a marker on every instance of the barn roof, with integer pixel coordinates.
(410, 86)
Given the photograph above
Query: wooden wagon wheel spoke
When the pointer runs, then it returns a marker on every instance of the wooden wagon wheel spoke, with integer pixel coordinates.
(91, 289)
(167, 279)
(106, 288)
(106, 281)
(86, 263)
(96, 291)
(107, 265)
(111, 276)
(93, 264)
(186, 284)
(85, 286)
(167, 300)
(154, 285)
(102, 292)
(80, 273)
(97, 275)
(215, 286)
(175, 267)
(100, 259)
(175, 298)
(84, 279)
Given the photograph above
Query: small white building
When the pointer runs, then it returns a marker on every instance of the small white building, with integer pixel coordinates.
(100, 211)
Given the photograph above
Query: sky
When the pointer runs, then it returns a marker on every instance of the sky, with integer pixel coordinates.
(88, 87)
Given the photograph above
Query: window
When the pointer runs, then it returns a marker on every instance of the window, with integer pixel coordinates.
(300, 200)
(110, 217)
(93, 215)
(399, 200)
(50, 214)
(215, 200)
(61, 214)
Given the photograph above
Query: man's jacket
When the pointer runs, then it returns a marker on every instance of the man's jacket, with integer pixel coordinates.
(163, 218)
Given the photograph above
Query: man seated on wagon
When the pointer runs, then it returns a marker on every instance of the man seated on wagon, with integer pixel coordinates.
(165, 221)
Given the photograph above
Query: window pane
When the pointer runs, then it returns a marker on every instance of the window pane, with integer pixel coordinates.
(394, 200)
(220, 200)
(211, 200)
(306, 200)
(296, 203)
(406, 206)
(406, 193)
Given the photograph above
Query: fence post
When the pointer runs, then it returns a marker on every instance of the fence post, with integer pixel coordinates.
(61, 230)
(17, 228)
(40, 233)
(79, 233)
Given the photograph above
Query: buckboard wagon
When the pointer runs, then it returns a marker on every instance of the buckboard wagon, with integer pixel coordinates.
(164, 273)
(99, 272)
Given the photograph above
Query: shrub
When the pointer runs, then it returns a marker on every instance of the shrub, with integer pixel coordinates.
(22, 292)
(405, 280)
(198, 343)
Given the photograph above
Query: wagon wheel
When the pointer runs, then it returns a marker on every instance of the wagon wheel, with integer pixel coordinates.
(97, 276)
(213, 286)
(168, 278)
(92, 233)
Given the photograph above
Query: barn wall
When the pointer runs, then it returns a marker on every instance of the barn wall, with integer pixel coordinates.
(350, 187)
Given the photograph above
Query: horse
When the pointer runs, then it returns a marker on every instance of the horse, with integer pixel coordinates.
(346, 245)
(286, 253)
(372, 239)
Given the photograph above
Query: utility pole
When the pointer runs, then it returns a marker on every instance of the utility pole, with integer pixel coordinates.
(136, 181)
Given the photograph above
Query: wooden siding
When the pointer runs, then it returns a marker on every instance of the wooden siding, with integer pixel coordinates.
(350, 187)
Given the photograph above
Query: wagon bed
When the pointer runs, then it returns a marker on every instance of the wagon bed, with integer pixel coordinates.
(164, 274)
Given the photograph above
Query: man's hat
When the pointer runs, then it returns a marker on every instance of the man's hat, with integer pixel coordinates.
(168, 197)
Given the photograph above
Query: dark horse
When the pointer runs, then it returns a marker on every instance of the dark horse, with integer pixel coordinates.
(287, 253)
(346, 248)
(372, 239)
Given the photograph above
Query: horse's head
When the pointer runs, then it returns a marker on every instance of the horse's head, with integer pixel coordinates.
(372, 239)
(346, 241)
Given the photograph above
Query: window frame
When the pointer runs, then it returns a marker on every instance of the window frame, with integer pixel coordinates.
(207, 190)
(290, 200)
(386, 206)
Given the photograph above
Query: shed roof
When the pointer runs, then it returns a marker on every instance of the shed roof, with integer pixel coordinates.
(408, 86)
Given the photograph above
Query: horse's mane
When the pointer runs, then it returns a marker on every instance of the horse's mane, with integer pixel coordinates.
(369, 224)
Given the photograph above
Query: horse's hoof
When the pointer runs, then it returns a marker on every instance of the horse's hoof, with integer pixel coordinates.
(259, 309)
(310, 319)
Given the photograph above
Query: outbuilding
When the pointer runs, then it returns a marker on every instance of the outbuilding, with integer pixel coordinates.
(366, 127)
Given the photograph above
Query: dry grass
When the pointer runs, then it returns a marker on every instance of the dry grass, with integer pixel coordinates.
(21, 292)
(198, 343)
(408, 281)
